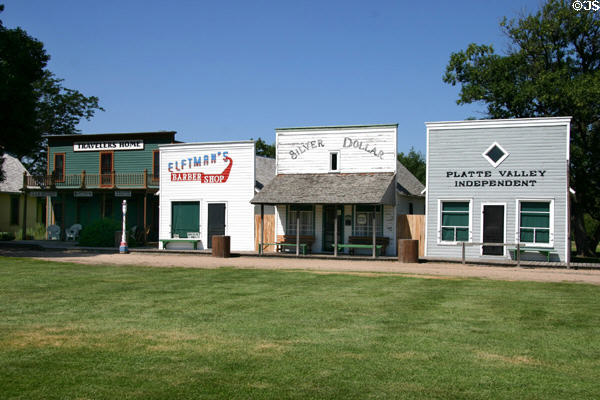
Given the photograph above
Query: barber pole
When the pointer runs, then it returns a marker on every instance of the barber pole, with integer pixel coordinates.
(123, 247)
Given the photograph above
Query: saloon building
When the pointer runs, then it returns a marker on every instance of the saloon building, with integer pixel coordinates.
(498, 181)
(90, 175)
(339, 185)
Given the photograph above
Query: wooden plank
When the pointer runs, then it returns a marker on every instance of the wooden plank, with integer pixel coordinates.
(269, 232)
(412, 227)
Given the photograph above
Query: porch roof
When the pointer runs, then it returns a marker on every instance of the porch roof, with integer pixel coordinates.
(373, 188)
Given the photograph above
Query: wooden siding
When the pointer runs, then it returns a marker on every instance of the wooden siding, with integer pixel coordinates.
(412, 227)
(236, 193)
(323, 141)
(269, 232)
(531, 148)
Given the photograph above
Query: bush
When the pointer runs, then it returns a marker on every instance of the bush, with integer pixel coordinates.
(7, 236)
(100, 233)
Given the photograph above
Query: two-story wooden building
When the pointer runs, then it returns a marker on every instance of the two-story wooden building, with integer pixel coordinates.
(90, 175)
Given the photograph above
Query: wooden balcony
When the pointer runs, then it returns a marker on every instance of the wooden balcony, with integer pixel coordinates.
(115, 180)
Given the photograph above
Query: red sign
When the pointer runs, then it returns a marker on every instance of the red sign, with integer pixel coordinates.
(202, 177)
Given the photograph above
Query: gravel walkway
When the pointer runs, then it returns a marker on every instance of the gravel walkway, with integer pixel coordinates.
(430, 269)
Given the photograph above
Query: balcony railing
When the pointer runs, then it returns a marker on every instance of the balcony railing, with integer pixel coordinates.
(136, 180)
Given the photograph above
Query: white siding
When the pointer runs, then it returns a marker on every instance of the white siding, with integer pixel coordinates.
(533, 145)
(301, 151)
(236, 192)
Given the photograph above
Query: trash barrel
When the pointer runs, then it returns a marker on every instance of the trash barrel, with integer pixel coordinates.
(408, 251)
(221, 246)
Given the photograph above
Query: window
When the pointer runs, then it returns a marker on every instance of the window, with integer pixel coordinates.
(363, 221)
(334, 161)
(106, 169)
(14, 210)
(455, 221)
(534, 222)
(155, 164)
(305, 212)
(59, 167)
(495, 154)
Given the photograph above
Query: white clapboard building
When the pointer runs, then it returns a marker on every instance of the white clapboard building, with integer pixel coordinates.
(205, 190)
(498, 181)
(339, 185)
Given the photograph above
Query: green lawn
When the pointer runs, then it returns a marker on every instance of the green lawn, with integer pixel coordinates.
(87, 332)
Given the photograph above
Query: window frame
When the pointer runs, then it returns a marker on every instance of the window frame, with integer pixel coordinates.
(338, 161)
(550, 243)
(112, 168)
(441, 202)
(288, 210)
(378, 216)
(60, 178)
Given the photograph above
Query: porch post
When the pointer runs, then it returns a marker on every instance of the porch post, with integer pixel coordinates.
(335, 233)
(262, 229)
(145, 215)
(374, 230)
(297, 233)
(24, 234)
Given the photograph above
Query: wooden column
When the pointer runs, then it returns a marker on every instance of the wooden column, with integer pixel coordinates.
(145, 216)
(335, 233)
(145, 179)
(374, 231)
(262, 230)
(82, 179)
(297, 233)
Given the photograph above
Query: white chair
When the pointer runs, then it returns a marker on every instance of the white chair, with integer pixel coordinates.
(73, 232)
(53, 232)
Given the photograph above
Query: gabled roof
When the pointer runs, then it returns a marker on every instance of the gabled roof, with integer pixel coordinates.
(406, 182)
(369, 188)
(265, 171)
(13, 172)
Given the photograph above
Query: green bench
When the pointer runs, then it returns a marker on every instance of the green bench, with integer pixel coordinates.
(378, 247)
(167, 241)
(281, 244)
(542, 250)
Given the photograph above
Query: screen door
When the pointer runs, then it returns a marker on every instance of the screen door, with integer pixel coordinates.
(216, 221)
(493, 229)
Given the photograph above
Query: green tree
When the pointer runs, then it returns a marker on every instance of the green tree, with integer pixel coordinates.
(414, 161)
(550, 69)
(33, 102)
(264, 149)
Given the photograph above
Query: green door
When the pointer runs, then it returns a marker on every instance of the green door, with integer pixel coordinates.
(185, 217)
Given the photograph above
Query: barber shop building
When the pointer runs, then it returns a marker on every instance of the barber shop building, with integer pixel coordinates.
(498, 181)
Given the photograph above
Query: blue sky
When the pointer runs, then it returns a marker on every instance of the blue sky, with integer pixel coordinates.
(229, 70)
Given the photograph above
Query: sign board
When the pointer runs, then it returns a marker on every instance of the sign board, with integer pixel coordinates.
(122, 193)
(82, 193)
(137, 144)
(41, 194)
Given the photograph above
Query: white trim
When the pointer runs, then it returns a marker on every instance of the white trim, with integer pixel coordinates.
(568, 200)
(488, 159)
(499, 123)
(550, 200)
(276, 153)
(191, 144)
(441, 242)
(426, 192)
(504, 248)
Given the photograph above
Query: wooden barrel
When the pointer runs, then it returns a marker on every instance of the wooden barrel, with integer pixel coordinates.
(221, 246)
(408, 251)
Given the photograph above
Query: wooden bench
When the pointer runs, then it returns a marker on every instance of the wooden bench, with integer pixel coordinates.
(167, 241)
(282, 244)
(308, 240)
(542, 250)
(368, 240)
(378, 247)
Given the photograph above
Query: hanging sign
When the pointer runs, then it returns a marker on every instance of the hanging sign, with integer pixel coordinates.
(42, 194)
(109, 145)
(122, 193)
(82, 193)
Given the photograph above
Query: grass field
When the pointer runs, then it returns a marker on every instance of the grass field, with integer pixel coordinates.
(87, 332)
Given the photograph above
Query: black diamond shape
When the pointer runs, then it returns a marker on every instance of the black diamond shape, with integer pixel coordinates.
(495, 153)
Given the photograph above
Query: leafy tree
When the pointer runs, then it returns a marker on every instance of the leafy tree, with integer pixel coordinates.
(550, 69)
(414, 161)
(264, 149)
(33, 102)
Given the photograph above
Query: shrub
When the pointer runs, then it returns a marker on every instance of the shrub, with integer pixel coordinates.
(100, 233)
(7, 236)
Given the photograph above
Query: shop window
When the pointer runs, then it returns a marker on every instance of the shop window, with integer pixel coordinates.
(534, 222)
(334, 161)
(14, 210)
(455, 221)
(155, 165)
(306, 219)
(363, 221)
(59, 167)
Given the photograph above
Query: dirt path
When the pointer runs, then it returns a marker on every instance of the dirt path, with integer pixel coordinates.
(433, 270)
